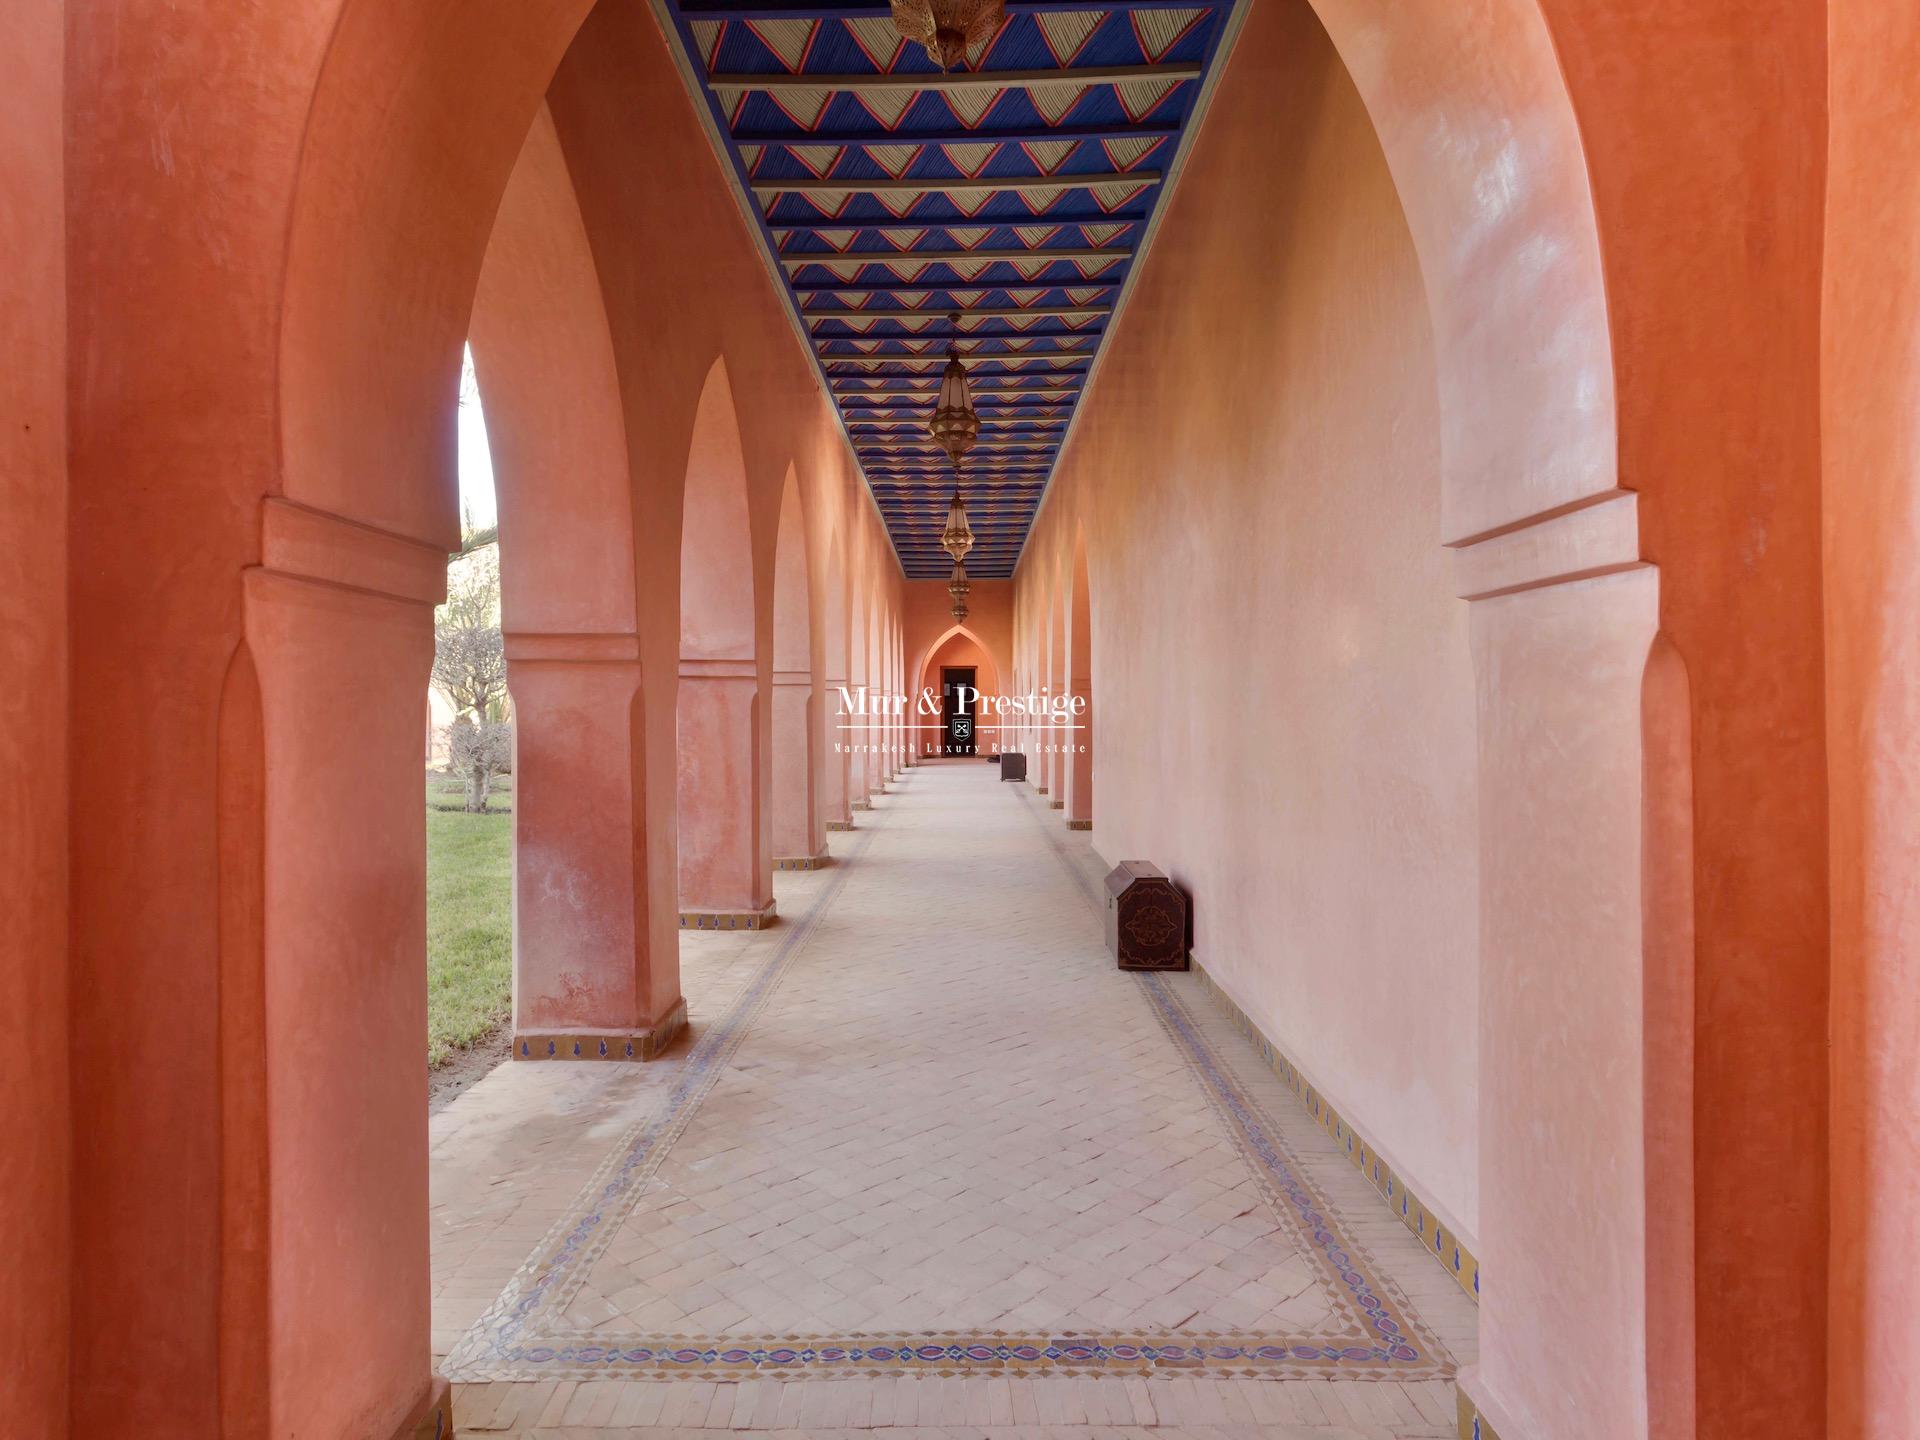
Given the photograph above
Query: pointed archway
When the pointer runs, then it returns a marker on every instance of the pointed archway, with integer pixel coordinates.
(725, 868)
(961, 646)
(584, 961)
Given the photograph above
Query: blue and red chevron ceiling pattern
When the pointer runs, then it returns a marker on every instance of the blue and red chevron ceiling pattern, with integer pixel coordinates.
(1015, 192)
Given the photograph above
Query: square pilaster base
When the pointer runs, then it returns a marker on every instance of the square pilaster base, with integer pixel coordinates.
(1079, 824)
(839, 825)
(1056, 804)
(624, 1044)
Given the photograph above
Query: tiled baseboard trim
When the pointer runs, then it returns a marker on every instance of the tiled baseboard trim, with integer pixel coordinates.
(1440, 1242)
(839, 825)
(728, 919)
(602, 1044)
(1474, 1425)
(1079, 824)
(803, 862)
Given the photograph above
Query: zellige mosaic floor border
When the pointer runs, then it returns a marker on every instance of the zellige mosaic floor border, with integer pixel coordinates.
(498, 1348)
(1389, 1330)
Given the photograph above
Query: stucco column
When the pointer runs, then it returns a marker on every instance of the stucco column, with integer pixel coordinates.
(890, 765)
(726, 865)
(872, 761)
(797, 841)
(834, 785)
(903, 724)
(1056, 738)
(583, 987)
(1575, 1009)
(883, 727)
(1044, 779)
(1080, 763)
(858, 788)
(1871, 512)
(323, 959)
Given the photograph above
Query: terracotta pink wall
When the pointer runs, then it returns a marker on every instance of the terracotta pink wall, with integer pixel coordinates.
(1717, 346)
(1288, 726)
(33, 723)
(1871, 351)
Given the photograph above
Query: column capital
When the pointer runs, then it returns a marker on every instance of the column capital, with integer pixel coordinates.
(307, 544)
(1598, 536)
(597, 647)
(700, 668)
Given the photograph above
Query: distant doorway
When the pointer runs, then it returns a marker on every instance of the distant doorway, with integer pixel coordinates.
(957, 690)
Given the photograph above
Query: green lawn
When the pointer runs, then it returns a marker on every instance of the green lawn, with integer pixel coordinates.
(469, 915)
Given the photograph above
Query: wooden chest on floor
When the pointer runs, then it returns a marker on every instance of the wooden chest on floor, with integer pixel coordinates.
(1013, 765)
(1146, 918)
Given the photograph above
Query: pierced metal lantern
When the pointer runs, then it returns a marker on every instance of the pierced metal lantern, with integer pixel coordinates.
(948, 28)
(954, 427)
(957, 538)
(959, 587)
(955, 424)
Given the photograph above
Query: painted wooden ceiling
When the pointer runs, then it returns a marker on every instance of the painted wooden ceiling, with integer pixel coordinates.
(1015, 193)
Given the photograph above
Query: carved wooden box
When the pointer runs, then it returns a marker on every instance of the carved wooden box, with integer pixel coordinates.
(1146, 918)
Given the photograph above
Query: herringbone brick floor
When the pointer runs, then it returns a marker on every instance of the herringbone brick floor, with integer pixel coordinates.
(930, 1163)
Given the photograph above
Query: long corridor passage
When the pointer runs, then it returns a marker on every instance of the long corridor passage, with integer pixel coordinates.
(929, 1161)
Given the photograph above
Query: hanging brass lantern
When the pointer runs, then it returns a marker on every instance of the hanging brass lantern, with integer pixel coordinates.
(957, 538)
(956, 424)
(958, 587)
(948, 28)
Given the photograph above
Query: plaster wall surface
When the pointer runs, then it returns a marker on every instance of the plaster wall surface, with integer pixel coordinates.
(33, 723)
(1282, 672)
(1712, 124)
(1871, 435)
